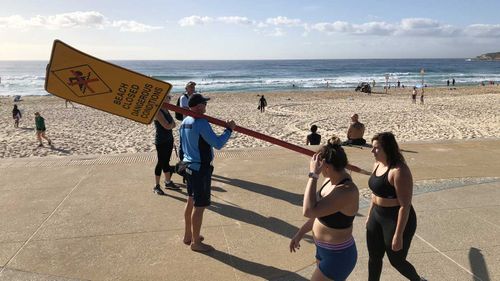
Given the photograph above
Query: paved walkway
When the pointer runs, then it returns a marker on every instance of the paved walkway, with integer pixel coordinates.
(96, 218)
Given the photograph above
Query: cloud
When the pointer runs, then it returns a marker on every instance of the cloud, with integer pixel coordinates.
(408, 27)
(133, 26)
(235, 20)
(88, 19)
(283, 21)
(483, 30)
(338, 26)
(199, 20)
(425, 27)
(277, 32)
(195, 20)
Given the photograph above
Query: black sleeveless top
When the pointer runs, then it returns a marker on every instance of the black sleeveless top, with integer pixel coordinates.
(337, 220)
(163, 135)
(381, 186)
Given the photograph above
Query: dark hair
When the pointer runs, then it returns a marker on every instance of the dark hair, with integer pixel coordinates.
(388, 143)
(334, 154)
(314, 128)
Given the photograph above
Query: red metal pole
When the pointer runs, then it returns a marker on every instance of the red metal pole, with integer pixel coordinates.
(254, 134)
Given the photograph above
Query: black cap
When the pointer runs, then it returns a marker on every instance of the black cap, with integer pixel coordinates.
(196, 99)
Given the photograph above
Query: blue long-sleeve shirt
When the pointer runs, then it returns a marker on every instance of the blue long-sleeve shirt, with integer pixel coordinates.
(198, 140)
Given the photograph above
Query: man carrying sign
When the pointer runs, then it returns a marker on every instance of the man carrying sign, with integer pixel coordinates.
(197, 142)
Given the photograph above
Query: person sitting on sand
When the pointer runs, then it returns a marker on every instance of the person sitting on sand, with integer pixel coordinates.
(40, 129)
(355, 132)
(16, 115)
(313, 138)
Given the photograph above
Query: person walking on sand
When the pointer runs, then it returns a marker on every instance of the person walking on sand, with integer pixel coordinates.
(422, 96)
(164, 143)
(197, 142)
(16, 115)
(414, 95)
(331, 211)
(453, 82)
(262, 104)
(40, 129)
(313, 138)
(391, 220)
(66, 103)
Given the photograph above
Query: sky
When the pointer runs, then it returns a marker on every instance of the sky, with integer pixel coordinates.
(247, 30)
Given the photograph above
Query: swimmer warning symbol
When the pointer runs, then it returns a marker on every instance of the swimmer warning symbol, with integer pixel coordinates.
(79, 77)
(82, 80)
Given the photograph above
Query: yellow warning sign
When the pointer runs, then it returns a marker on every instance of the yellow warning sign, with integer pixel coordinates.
(79, 77)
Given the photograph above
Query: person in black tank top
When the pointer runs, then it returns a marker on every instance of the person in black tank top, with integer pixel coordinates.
(385, 232)
(313, 138)
(331, 212)
(164, 143)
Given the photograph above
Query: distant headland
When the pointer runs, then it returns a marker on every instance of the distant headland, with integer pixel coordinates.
(488, 56)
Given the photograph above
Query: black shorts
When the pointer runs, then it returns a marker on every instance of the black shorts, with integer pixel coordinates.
(199, 185)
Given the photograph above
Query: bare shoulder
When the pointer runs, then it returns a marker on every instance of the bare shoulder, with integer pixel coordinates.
(400, 170)
(347, 189)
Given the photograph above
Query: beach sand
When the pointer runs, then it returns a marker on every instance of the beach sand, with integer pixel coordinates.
(463, 113)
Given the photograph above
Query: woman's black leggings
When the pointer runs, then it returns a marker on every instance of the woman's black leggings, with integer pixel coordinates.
(163, 151)
(380, 230)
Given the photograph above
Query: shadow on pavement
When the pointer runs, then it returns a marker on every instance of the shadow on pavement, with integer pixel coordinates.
(478, 265)
(264, 271)
(292, 198)
(272, 224)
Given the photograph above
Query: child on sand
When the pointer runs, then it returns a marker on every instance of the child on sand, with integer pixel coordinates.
(16, 115)
(40, 129)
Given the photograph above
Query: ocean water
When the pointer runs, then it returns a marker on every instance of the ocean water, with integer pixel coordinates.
(28, 77)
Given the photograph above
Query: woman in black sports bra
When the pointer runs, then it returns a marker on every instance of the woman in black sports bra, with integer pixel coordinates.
(391, 220)
(331, 212)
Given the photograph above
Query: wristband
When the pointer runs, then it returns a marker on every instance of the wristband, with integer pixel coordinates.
(313, 175)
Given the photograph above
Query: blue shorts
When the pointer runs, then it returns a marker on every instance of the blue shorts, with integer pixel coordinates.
(199, 185)
(336, 261)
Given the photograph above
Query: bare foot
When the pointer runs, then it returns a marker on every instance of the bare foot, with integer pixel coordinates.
(201, 247)
(187, 241)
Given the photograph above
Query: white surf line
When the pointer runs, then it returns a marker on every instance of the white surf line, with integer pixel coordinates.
(43, 223)
(446, 256)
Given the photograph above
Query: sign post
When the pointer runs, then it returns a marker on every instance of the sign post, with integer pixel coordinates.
(422, 72)
(386, 83)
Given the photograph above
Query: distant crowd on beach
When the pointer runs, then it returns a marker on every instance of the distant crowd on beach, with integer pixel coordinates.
(39, 121)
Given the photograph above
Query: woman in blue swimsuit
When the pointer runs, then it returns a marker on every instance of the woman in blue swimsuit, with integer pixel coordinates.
(331, 211)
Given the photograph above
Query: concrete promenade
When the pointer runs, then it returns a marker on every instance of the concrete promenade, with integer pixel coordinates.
(96, 217)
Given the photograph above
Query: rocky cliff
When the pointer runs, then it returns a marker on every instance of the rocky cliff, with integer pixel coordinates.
(489, 56)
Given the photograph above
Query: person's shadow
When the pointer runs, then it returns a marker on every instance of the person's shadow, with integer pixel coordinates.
(272, 224)
(61, 150)
(27, 128)
(293, 198)
(478, 265)
(263, 271)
